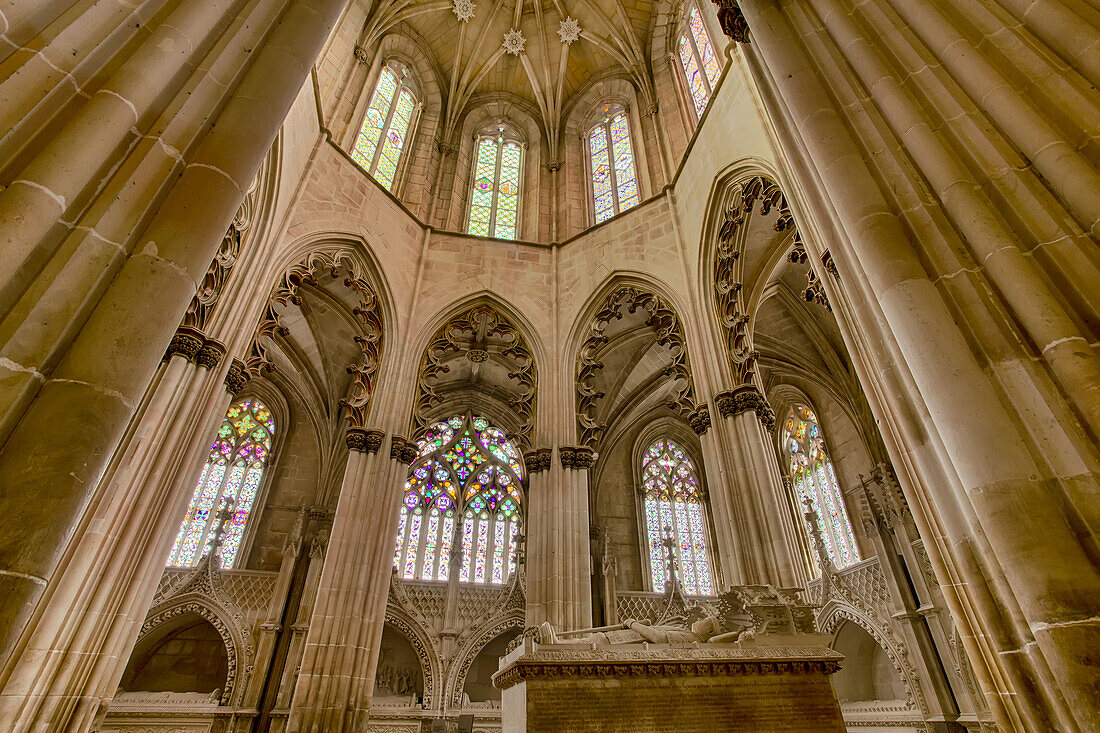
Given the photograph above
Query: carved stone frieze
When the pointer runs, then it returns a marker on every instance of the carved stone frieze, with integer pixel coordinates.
(537, 460)
(578, 457)
(403, 450)
(481, 334)
(670, 334)
(364, 440)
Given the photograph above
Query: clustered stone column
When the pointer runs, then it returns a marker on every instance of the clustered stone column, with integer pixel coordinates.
(72, 663)
(559, 565)
(75, 395)
(1004, 498)
(336, 681)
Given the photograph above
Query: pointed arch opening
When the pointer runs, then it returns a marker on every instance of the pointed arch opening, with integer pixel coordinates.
(229, 481)
(612, 171)
(495, 185)
(674, 511)
(462, 509)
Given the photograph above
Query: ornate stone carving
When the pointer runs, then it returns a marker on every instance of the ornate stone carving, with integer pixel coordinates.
(211, 353)
(363, 440)
(403, 450)
(744, 398)
(732, 20)
(699, 420)
(537, 460)
(569, 30)
(482, 334)
(670, 334)
(186, 342)
(237, 376)
(814, 292)
(579, 457)
(514, 42)
(829, 264)
(361, 55)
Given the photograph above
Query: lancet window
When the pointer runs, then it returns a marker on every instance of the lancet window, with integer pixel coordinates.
(674, 512)
(465, 487)
(385, 130)
(611, 165)
(815, 484)
(697, 58)
(494, 195)
(229, 480)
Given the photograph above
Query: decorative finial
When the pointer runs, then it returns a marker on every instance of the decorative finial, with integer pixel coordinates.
(514, 42)
(569, 31)
(464, 10)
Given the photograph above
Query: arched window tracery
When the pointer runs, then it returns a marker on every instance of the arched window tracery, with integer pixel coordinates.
(385, 130)
(494, 194)
(611, 165)
(697, 59)
(232, 473)
(674, 506)
(814, 482)
(466, 484)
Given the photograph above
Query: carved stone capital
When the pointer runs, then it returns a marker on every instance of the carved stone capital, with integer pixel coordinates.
(445, 148)
(578, 457)
(554, 165)
(742, 399)
(699, 419)
(829, 264)
(211, 353)
(364, 440)
(732, 20)
(403, 450)
(537, 460)
(271, 626)
(361, 55)
(186, 342)
(237, 376)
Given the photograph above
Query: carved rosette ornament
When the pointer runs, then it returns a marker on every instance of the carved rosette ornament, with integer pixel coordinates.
(537, 460)
(577, 457)
(742, 399)
(364, 440)
(403, 450)
(670, 334)
(732, 20)
(237, 376)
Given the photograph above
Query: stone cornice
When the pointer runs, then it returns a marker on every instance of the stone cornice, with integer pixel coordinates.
(579, 457)
(537, 460)
(364, 440)
(656, 662)
(403, 450)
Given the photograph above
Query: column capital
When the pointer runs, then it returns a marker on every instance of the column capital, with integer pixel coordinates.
(194, 346)
(537, 460)
(732, 20)
(579, 457)
(742, 399)
(699, 419)
(364, 440)
(403, 450)
(237, 376)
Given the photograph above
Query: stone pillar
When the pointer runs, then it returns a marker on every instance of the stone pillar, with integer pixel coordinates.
(559, 578)
(56, 455)
(1009, 515)
(72, 662)
(336, 681)
(752, 483)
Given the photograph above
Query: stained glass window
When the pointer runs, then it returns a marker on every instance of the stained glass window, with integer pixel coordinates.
(611, 165)
(674, 508)
(494, 195)
(231, 475)
(386, 125)
(814, 480)
(700, 64)
(466, 480)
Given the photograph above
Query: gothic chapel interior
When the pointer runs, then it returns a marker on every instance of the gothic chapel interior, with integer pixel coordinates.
(345, 342)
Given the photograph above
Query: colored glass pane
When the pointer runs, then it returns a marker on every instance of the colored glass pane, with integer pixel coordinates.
(814, 481)
(233, 472)
(494, 194)
(385, 129)
(707, 58)
(467, 473)
(377, 113)
(673, 504)
(700, 64)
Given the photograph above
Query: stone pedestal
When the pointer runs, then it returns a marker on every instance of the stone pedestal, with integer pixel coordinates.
(657, 687)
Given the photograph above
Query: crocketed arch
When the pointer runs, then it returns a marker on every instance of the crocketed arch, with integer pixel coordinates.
(473, 645)
(465, 487)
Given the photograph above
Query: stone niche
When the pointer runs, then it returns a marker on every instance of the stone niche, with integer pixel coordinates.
(548, 688)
